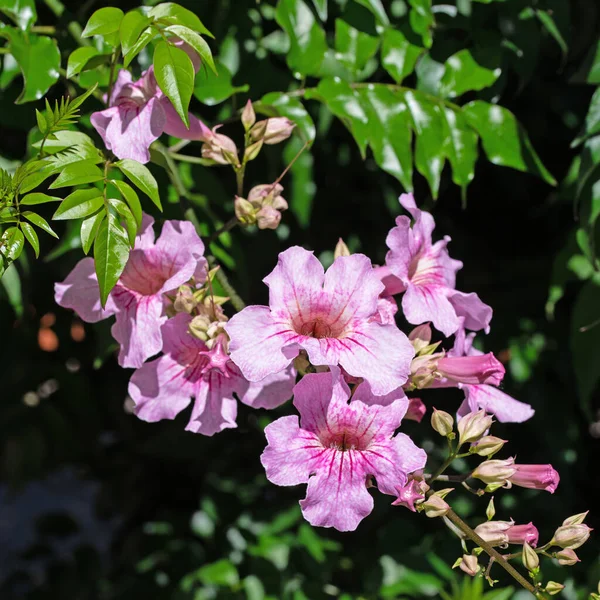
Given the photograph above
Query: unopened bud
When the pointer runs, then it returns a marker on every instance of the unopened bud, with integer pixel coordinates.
(469, 565)
(184, 300)
(220, 149)
(487, 445)
(571, 536)
(420, 337)
(490, 511)
(554, 588)
(258, 130)
(248, 116)
(442, 422)
(495, 472)
(252, 151)
(531, 561)
(341, 249)
(577, 519)
(199, 326)
(273, 131)
(268, 218)
(494, 532)
(472, 426)
(435, 506)
(567, 557)
(244, 211)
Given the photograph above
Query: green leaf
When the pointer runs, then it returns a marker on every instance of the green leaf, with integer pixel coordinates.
(78, 59)
(32, 237)
(590, 70)
(11, 243)
(430, 145)
(592, 120)
(39, 222)
(547, 21)
(196, 42)
(504, 140)
(463, 74)
(103, 22)
(131, 198)
(213, 89)
(344, 102)
(376, 7)
(37, 198)
(354, 48)
(111, 251)
(461, 146)
(174, 14)
(84, 171)
(175, 74)
(307, 39)
(321, 8)
(10, 70)
(421, 20)
(89, 229)
(141, 177)
(144, 39)
(130, 30)
(79, 204)
(220, 573)
(32, 181)
(22, 12)
(62, 140)
(38, 58)
(130, 222)
(253, 587)
(398, 55)
(12, 286)
(389, 131)
(278, 104)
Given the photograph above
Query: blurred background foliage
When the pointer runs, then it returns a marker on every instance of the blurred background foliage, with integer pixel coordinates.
(440, 98)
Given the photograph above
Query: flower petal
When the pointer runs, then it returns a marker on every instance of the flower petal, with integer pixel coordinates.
(176, 127)
(496, 402)
(270, 392)
(400, 242)
(430, 303)
(475, 313)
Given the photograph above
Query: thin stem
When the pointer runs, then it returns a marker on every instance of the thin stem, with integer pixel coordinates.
(491, 551)
(196, 160)
(223, 229)
(234, 297)
(451, 478)
(239, 178)
(44, 29)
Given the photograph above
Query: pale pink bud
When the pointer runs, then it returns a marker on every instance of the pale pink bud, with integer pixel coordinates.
(416, 410)
(268, 218)
(442, 422)
(494, 532)
(469, 565)
(576, 519)
(487, 445)
(252, 151)
(244, 211)
(248, 116)
(472, 426)
(184, 300)
(267, 193)
(435, 506)
(531, 561)
(412, 492)
(519, 534)
(536, 477)
(420, 337)
(495, 471)
(220, 149)
(341, 249)
(567, 557)
(554, 588)
(275, 130)
(473, 370)
(571, 536)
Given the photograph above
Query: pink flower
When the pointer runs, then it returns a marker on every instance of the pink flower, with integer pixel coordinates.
(428, 275)
(472, 370)
(408, 494)
(330, 315)
(137, 300)
(335, 448)
(536, 477)
(138, 114)
(487, 397)
(162, 388)
(519, 534)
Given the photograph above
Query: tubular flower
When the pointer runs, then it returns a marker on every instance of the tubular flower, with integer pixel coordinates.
(536, 477)
(329, 315)
(519, 534)
(427, 275)
(154, 268)
(193, 368)
(410, 493)
(335, 447)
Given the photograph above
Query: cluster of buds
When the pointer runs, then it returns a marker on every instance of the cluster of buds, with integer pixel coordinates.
(262, 207)
(435, 369)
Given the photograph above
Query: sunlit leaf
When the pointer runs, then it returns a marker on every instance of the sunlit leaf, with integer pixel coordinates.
(104, 21)
(141, 177)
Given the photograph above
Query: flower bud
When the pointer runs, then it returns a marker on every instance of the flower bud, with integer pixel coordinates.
(244, 211)
(268, 218)
(494, 532)
(413, 491)
(520, 534)
(554, 588)
(184, 300)
(220, 149)
(420, 336)
(473, 370)
(571, 536)
(531, 561)
(341, 249)
(416, 410)
(576, 519)
(487, 445)
(442, 422)
(272, 131)
(469, 565)
(495, 472)
(472, 426)
(536, 477)
(248, 116)
(252, 151)
(199, 327)
(435, 506)
(490, 511)
(567, 557)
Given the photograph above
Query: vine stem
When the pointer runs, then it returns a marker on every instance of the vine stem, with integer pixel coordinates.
(491, 551)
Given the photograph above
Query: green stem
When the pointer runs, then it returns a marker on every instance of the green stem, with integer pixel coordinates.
(239, 178)
(44, 29)
(196, 160)
(492, 552)
(223, 229)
